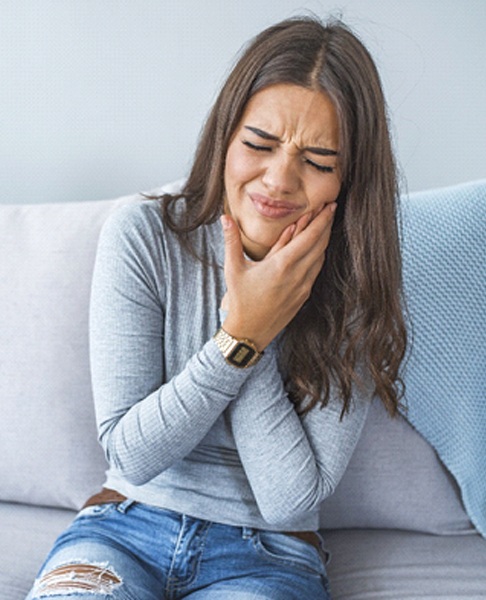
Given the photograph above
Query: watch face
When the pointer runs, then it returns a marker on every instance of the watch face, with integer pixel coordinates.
(241, 355)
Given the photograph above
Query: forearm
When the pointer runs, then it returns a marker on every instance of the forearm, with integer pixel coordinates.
(144, 438)
(292, 463)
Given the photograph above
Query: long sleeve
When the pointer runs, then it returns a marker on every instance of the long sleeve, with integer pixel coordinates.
(152, 409)
(292, 462)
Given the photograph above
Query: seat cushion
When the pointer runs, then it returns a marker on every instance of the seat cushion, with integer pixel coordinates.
(365, 564)
(26, 536)
(394, 565)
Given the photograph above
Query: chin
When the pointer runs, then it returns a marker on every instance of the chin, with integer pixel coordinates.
(258, 246)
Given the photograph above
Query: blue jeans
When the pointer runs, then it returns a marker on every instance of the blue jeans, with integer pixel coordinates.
(132, 551)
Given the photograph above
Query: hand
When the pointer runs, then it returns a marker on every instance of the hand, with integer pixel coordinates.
(263, 297)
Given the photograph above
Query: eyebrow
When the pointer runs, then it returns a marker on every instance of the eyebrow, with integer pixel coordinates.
(273, 138)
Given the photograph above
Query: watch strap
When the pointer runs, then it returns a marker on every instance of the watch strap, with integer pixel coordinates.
(240, 353)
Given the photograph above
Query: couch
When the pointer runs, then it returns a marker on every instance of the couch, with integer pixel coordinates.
(396, 527)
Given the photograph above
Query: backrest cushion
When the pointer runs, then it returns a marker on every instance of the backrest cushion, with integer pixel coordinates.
(48, 443)
(395, 481)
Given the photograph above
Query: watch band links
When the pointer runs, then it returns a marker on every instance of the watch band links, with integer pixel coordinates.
(241, 353)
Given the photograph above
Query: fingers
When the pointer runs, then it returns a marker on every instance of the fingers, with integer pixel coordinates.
(225, 302)
(312, 238)
(232, 242)
(302, 223)
(285, 237)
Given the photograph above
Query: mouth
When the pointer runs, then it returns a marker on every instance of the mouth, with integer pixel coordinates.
(273, 209)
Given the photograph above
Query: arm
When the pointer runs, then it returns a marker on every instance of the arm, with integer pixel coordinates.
(145, 422)
(292, 462)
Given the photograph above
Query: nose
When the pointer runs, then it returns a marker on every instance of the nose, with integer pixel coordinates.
(281, 175)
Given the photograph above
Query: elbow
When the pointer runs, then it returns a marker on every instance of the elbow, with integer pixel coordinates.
(133, 476)
(283, 508)
(274, 515)
(127, 464)
(128, 471)
(278, 514)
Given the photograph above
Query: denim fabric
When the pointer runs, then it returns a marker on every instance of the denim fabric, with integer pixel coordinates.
(132, 551)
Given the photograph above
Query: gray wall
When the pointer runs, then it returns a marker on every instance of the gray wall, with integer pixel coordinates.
(100, 98)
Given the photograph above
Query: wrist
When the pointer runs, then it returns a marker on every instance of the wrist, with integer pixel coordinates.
(240, 352)
(241, 330)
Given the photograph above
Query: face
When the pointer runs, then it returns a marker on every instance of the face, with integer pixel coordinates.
(281, 163)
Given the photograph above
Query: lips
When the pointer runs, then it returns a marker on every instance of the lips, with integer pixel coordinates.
(272, 209)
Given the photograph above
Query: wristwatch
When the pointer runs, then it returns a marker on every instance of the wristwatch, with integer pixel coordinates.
(239, 353)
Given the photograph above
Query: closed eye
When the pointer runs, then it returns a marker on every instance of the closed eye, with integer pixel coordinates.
(321, 168)
(257, 147)
(261, 148)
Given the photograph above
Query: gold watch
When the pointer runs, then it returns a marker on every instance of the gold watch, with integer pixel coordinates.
(239, 353)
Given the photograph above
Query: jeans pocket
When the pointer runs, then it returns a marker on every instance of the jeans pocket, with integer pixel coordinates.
(97, 511)
(289, 551)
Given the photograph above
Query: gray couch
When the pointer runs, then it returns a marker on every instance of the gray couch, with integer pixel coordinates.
(396, 526)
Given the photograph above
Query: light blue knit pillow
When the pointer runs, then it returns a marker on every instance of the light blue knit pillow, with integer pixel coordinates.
(444, 256)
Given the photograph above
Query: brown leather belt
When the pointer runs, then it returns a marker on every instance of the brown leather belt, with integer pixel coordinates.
(108, 496)
(310, 537)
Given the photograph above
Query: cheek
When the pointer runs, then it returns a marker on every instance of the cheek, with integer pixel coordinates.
(239, 168)
(323, 195)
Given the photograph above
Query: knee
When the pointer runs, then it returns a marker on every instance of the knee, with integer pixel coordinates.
(77, 578)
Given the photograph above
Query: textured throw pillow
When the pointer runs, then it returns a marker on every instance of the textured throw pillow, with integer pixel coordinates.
(48, 442)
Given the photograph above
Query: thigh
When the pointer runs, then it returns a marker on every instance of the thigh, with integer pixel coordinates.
(88, 561)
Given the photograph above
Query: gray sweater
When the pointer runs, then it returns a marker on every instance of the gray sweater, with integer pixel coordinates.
(181, 428)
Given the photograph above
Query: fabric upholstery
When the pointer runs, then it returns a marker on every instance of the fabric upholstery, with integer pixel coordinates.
(47, 431)
(394, 565)
(26, 536)
(395, 481)
(365, 564)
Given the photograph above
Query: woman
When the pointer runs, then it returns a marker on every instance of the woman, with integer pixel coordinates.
(238, 330)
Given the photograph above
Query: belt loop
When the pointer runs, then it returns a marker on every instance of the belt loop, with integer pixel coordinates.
(125, 505)
(247, 533)
(325, 554)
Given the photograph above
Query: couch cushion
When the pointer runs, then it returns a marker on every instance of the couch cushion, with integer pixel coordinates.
(365, 565)
(395, 480)
(26, 536)
(48, 445)
(392, 565)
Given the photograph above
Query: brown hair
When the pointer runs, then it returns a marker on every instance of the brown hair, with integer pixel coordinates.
(353, 320)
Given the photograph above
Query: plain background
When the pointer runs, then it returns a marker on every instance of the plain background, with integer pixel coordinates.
(100, 98)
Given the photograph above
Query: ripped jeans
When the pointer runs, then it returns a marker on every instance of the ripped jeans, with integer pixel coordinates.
(131, 551)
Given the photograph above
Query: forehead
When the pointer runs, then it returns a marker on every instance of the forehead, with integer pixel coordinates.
(307, 117)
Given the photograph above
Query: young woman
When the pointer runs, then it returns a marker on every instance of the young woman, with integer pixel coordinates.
(238, 331)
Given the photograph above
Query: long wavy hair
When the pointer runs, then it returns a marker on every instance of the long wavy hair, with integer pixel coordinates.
(353, 321)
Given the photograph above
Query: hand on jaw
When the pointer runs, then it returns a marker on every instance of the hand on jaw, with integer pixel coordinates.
(263, 297)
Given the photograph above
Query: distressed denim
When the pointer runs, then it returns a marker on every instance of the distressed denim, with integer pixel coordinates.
(131, 551)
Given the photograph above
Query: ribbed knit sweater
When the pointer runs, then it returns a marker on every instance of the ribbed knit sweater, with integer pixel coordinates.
(181, 428)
